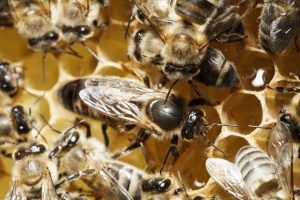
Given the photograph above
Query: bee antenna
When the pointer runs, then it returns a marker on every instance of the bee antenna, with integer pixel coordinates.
(38, 98)
(182, 184)
(146, 157)
(48, 124)
(262, 127)
(44, 66)
(75, 125)
(212, 144)
(169, 92)
(39, 133)
(91, 52)
(220, 124)
(128, 25)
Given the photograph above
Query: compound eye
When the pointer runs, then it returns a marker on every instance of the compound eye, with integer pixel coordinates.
(156, 185)
(17, 110)
(33, 42)
(286, 118)
(19, 154)
(51, 36)
(6, 87)
(84, 30)
(37, 148)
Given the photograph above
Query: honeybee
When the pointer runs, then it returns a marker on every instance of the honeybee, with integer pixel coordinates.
(11, 77)
(131, 104)
(178, 44)
(33, 174)
(15, 126)
(111, 179)
(33, 22)
(279, 24)
(255, 175)
(76, 19)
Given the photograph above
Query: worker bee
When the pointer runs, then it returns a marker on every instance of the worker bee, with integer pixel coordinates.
(255, 175)
(16, 126)
(76, 19)
(131, 104)
(279, 24)
(111, 179)
(32, 19)
(178, 44)
(11, 77)
(33, 174)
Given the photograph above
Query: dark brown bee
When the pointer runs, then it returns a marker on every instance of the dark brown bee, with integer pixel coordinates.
(279, 24)
(111, 179)
(131, 104)
(11, 77)
(178, 43)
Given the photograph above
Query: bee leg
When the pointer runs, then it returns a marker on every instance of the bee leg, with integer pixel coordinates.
(173, 150)
(162, 82)
(206, 98)
(85, 125)
(104, 133)
(74, 176)
(284, 90)
(6, 154)
(141, 137)
(143, 76)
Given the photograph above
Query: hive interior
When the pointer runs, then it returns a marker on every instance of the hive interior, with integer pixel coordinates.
(262, 104)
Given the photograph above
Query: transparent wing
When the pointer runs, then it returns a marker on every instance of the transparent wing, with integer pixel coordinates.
(16, 193)
(228, 176)
(120, 99)
(48, 188)
(159, 13)
(107, 176)
(281, 151)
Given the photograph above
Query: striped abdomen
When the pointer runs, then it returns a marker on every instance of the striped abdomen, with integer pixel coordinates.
(198, 11)
(217, 71)
(258, 170)
(68, 96)
(126, 176)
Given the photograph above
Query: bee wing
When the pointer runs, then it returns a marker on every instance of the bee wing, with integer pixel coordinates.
(119, 99)
(6, 16)
(16, 193)
(283, 28)
(105, 175)
(160, 15)
(48, 188)
(228, 175)
(281, 151)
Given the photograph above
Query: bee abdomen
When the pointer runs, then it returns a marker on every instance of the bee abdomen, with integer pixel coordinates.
(129, 179)
(144, 47)
(257, 169)
(198, 11)
(217, 71)
(68, 96)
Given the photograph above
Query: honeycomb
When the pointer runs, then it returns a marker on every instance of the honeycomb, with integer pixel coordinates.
(250, 104)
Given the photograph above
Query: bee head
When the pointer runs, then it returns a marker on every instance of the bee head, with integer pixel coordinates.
(293, 127)
(195, 125)
(77, 33)
(156, 185)
(21, 119)
(44, 42)
(7, 83)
